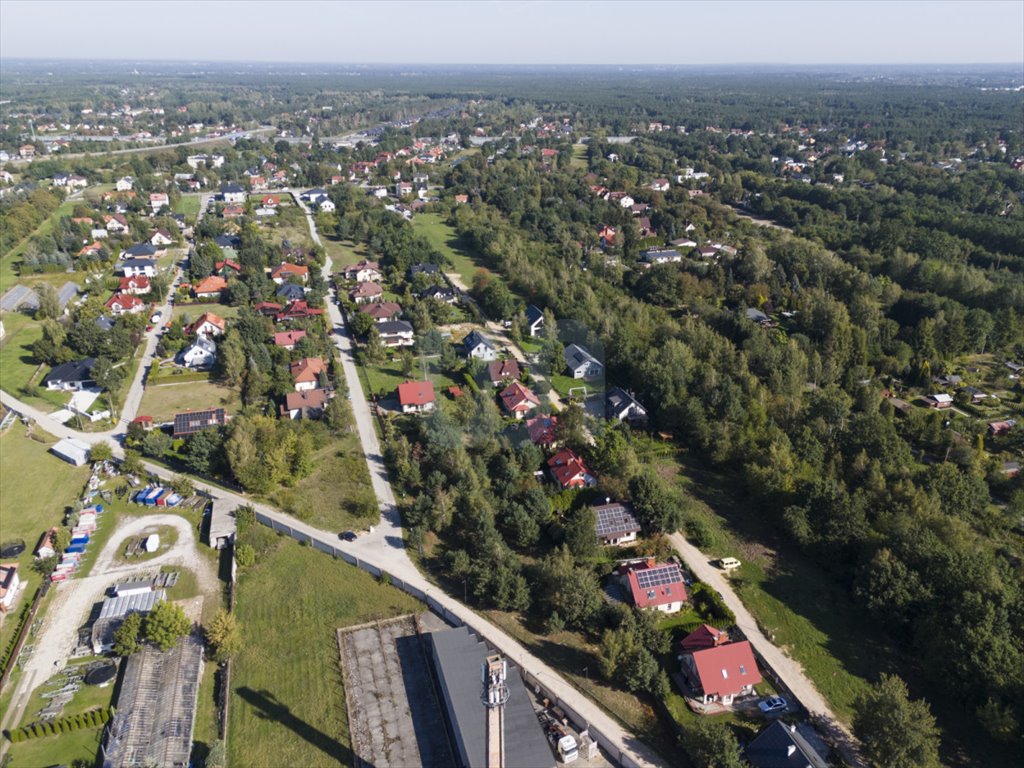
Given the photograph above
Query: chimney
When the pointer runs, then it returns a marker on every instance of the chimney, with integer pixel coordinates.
(790, 750)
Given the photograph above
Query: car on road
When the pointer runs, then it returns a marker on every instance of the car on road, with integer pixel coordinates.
(772, 704)
(156, 317)
(728, 563)
(348, 536)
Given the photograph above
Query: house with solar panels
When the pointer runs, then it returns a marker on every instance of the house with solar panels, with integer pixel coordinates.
(616, 523)
(654, 586)
(190, 422)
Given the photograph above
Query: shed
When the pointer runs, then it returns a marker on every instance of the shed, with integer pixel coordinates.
(222, 523)
(72, 451)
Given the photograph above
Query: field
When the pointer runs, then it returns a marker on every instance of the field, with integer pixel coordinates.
(579, 156)
(29, 508)
(384, 379)
(188, 205)
(162, 401)
(8, 274)
(344, 253)
(193, 311)
(337, 496)
(288, 704)
(77, 747)
(445, 240)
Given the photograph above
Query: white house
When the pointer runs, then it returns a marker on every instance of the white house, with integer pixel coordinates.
(626, 201)
(9, 585)
(478, 346)
(232, 193)
(201, 353)
(158, 200)
(326, 206)
(396, 333)
(582, 364)
(124, 184)
(138, 267)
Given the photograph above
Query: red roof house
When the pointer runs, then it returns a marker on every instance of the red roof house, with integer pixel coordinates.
(134, 286)
(306, 372)
(518, 400)
(123, 303)
(297, 310)
(283, 271)
(723, 672)
(365, 292)
(381, 311)
(208, 324)
(704, 636)
(654, 585)
(502, 371)
(569, 471)
(416, 396)
(542, 430)
(210, 287)
(288, 339)
(146, 422)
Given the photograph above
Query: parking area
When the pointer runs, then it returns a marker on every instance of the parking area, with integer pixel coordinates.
(395, 719)
(556, 726)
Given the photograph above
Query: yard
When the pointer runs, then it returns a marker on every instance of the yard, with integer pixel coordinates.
(444, 238)
(579, 156)
(8, 264)
(337, 496)
(288, 705)
(384, 379)
(77, 747)
(188, 205)
(344, 253)
(30, 508)
(163, 401)
(191, 312)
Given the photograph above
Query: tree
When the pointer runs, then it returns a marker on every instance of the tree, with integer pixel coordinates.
(337, 415)
(165, 624)
(713, 745)
(132, 462)
(230, 364)
(156, 444)
(183, 486)
(362, 322)
(895, 731)
(225, 635)
(655, 508)
(106, 374)
(49, 302)
(245, 555)
(101, 451)
(126, 637)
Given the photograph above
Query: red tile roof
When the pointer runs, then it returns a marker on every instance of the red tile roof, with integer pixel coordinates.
(542, 429)
(416, 393)
(307, 369)
(503, 369)
(288, 338)
(211, 284)
(133, 284)
(727, 669)
(568, 469)
(518, 399)
(125, 301)
(215, 320)
(383, 310)
(284, 270)
(704, 636)
(656, 585)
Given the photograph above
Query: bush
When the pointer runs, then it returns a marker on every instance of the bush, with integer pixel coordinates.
(245, 555)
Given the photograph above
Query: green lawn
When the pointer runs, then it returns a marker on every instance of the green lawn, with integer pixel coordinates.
(88, 697)
(337, 496)
(344, 252)
(385, 378)
(193, 311)
(188, 205)
(288, 704)
(35, 487)
(9, 261)
(579, 156)
(66, 749)
(444, 238)
(163, 401)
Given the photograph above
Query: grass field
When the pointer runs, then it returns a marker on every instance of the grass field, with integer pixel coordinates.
(188, 205)
(288, 704)
(66, 749)
(193, 311)
(444, 239)
(344, 252)
(337, 496)
(8, 274)
(35, 487)
(579, 156)
(162, 401)
(385, 378)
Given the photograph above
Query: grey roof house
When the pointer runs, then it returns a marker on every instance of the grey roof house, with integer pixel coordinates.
(582, 364)
(476, 345)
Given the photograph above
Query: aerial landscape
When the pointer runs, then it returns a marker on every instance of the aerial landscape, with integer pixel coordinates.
(512, 385)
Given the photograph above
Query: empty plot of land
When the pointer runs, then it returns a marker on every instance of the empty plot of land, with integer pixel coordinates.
(394, 716)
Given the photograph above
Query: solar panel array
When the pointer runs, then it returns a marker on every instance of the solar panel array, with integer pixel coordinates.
(615, 519)
(659, 576)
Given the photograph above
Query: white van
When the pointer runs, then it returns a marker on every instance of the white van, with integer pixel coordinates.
(728, 563)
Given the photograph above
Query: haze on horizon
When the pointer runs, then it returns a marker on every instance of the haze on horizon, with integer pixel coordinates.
(520, 32)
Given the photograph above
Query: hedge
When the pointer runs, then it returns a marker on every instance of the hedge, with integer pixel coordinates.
(91, 719)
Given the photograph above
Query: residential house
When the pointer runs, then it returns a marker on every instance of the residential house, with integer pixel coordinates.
(381, 311)
(290, 292)
(534, 320)
(939, 400)
(683, 242)
(416, 396)
(478, 346)
(307, 404)
(306, 373)
(314, 196)
(722, 672)
(190, 422)
(138, 268)
(661, 256)
(26, 151)
(124, 304)
(267, 309)
(704, 636)
(581, 364)
(501, 372)
(660, 185)
(423, 268)
(232, 193)
(146, 422)
(755, 315)
(396, 333)
(569, 471)
(997, 428)
(615, 523)
(124, 184)
(325, 206)
(606, 235)
(977, 396)
(288, 339)
(781, 745)
(77, 182)
(201, 353)
(210, 287)
(270, 201)
(364, 272)
(47, 544)
(518, 400)
(161, 237)
(297, 310)
(364, 293)
(209, 325)
(10, 583)
(542, 430)
(461, 199)
(134, 286)
(158, 200)
(116, 224)
(284, 271)
(232, 211)
(621, 405)
(143, 251)
(440, 293)
(655, 586)
(71, 376)
(227, 268)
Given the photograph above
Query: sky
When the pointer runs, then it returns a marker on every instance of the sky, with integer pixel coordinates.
(520, 32)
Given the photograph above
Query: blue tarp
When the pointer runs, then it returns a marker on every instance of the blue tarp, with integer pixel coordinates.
(83, 540)
(77, 549)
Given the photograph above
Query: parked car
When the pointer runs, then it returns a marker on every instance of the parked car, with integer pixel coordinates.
(348, 536)
(772, 704)
(155, 318)
(728, 563)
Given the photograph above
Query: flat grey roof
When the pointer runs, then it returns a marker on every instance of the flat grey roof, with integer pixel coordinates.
(459, 656)
(125, 604)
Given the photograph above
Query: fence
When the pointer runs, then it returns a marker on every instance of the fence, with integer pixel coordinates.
(578, 721)
(23, 633)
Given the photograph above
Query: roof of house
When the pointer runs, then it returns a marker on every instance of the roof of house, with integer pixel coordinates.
(941, 397)
(657, 585)
(208, 317)
(307, 369)
(620, 401)
(361, 265)
(227, 263)
(474, 339)
(424, 268)
(416, 393)
(381, 310)
(781, 745)
(615, 518)
(141, 249)
(138, 281)
(75, 370)
(231, 188)
(704, 636)
(7, 573)
(308, 398)
(542, 429)
(534, 315)
(503, 369)
(566, 465)
(288, 338)
(211, 284)
(124, 300)
(393, 327)
(575, 356)
(516, 397)
(726, 669)
(365, 290)
(290, 291)
(284, 269)
(191, 422)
